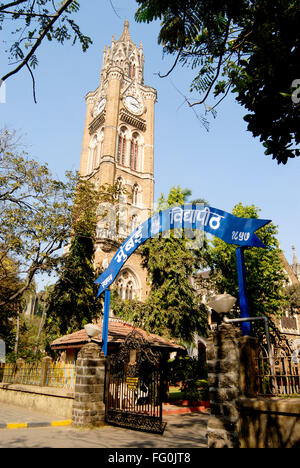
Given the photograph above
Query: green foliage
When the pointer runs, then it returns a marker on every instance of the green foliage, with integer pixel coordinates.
(27, 344)
(73, 302)
(265, 272)
(171, 308)
(293, 297)
(191, 375)
(36, 216)
(30, 22)
(9, 282)
(251, 49)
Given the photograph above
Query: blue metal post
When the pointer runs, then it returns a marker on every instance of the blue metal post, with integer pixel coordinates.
(105, 321)
(243, 298)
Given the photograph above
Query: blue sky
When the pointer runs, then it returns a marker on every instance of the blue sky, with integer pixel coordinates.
(225, 165)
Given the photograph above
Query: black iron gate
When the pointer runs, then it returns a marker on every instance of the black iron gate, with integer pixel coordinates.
(133, 386)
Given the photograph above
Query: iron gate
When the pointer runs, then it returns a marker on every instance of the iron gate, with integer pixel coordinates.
(133, 386)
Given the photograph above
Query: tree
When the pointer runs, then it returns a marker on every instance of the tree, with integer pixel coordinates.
(37, 20)
(266, 278)
(36, 217)
(251, 49)
(73, 302)
(293, 296)
(171, 308)
(9, 282)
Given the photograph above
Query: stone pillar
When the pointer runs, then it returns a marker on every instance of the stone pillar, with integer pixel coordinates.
(248, 366)
(46, 361)
(223, 361)
(89, 406)
(20, 363)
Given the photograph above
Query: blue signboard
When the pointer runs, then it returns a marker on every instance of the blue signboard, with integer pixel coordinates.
(229, 228)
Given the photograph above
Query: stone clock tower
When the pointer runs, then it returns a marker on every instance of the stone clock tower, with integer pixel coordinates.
(118, 149)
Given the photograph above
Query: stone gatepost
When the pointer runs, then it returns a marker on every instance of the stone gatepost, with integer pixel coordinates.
(46, 363)
(89, 406)
(223, 361)
(20, 363)
(231, 374)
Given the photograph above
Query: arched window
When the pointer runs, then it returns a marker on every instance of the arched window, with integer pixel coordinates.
(121, 150)
(134, 152)
(100, 145)
(132, 70)
(121, 291)
(129, 290)
(93, 154)
(120, 185)
(134, 223)
(128, 285)
(135, 194)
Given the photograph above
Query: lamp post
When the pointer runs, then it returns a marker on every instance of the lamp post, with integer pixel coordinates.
(222, 304)
(92, 330)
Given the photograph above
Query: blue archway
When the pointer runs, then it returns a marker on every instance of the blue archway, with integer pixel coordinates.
(226, 226)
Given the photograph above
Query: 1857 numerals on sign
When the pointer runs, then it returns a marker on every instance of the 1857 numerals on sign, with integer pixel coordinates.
(240, 236)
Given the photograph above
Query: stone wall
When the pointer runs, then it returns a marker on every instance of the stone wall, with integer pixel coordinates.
(239, 419)
(269, 423)
(53, 401)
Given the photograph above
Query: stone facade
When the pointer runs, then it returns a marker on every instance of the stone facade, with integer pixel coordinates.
(89, 406)
(118, 147)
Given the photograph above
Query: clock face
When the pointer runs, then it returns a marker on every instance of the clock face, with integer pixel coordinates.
(133, 105)
(100, 106)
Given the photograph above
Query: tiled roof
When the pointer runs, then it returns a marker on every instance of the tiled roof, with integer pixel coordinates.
(117, 332)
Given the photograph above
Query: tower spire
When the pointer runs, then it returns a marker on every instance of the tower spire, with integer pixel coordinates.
(125, 36)
(295, 259)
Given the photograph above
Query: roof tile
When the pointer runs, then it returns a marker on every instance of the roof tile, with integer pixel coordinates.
(117, 332)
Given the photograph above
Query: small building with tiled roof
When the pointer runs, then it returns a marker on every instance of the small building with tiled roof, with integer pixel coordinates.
(118, 330)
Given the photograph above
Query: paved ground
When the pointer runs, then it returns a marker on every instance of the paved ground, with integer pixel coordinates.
(183, 431)
(15, 414)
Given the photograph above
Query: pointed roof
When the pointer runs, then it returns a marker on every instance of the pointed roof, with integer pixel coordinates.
(125, 36)
(295, 259)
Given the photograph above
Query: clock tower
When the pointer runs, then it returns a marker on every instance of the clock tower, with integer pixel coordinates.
(118, 149)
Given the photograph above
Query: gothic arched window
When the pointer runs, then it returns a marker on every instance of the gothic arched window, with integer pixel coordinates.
(134, 152)
(129, 290)
(132, 70)
(121, 288)
(119, 186)
(134, 223)
(135, 194)
(93, 154)
(128, 285)
(121, 150)
(100, 139)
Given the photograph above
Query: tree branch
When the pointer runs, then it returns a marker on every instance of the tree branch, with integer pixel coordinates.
(26, 14)
(33, 83)
(39, 41)
(217, 72)
(173, 66)
(17, 2)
